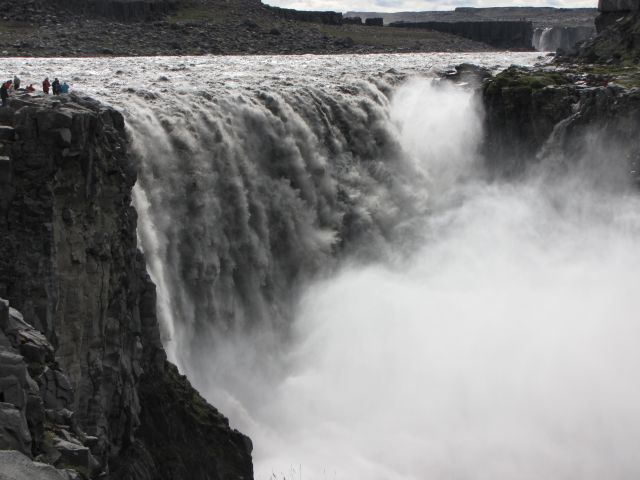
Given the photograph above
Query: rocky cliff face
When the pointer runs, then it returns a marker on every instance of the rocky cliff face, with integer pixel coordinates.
(121, 10)
(509, 35)
(532, 113)
(69, 262)
(607, 6)
(327, 18)
(618, 40)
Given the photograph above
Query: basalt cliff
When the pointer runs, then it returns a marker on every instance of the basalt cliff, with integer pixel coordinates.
(530, 112)
(86, 390)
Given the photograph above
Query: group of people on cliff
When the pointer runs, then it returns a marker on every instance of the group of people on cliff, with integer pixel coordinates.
(55, 87)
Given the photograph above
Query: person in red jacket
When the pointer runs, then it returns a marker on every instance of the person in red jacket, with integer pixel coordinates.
(46, 85)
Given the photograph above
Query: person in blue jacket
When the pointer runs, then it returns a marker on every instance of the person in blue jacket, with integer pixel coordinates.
(64, 88)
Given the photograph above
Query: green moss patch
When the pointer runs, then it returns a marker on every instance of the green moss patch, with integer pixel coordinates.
(517, 77)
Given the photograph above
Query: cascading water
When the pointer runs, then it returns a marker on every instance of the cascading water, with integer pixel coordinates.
(495, 343)
(552, 38)
(337, 275)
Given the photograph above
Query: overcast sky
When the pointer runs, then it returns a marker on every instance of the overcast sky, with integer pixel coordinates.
(420, 5)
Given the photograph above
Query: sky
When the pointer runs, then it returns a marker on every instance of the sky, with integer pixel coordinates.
(421, 5)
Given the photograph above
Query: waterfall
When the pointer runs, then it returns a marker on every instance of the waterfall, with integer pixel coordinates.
(541, 39)
(552, 38)
(243, 199)
(337, 274)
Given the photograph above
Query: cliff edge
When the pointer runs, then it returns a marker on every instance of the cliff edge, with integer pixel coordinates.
(84, 381)
(530, 111)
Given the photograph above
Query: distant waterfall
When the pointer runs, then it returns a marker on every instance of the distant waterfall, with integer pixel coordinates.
(553, 38)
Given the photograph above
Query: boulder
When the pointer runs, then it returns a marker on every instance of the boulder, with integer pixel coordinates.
(56, 390)
(14, 431)
(17, 466)
(31, 343)
(469, 74)
(74, 455)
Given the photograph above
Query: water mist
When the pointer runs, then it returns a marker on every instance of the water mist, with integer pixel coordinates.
(493, 337)
(503, 348)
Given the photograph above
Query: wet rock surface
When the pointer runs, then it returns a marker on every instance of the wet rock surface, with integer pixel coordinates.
(618, 41)
(83, 339)
(596, 88)
(33, 419)
(17, 466)
(531, 111)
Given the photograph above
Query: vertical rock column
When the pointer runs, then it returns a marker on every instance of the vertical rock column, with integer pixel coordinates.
(69, 262)
(7, 135)
(612, 10)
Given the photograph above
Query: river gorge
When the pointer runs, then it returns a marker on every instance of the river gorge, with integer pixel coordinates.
(345, 270)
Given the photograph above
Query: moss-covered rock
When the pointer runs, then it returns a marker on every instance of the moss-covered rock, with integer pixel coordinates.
(528, 108)
(522, 107)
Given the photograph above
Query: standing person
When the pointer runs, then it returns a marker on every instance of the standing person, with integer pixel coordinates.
(16, 82)
(56, 86)
(45, 86)
(4, 93)
(64, 88)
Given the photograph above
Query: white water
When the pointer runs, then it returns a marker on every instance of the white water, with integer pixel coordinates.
(502, 347)
(505, 347)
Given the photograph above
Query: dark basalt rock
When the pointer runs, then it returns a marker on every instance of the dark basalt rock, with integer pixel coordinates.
(327, 18)
(531, 112)
(522, 108)
(618, 40)
(352, 21)
(83, 375)
(374, 22)
(510, 35)
(174, 410)
(468, 73)
(17, 466)
(34, 419)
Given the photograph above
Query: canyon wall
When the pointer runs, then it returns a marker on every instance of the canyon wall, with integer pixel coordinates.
(327, 17)
(532, 113)
(511, 35)
(69, 263)
(613, 10)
